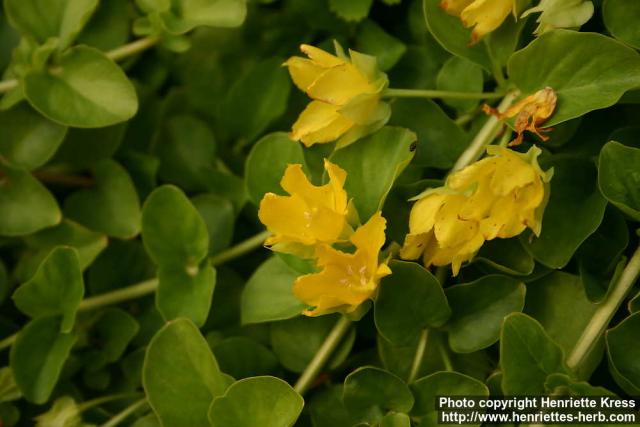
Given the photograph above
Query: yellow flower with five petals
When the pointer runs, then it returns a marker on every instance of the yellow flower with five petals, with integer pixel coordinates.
(346, 279)
(309, 215)
(346, 96)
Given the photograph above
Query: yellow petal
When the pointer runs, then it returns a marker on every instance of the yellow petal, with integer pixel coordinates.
(285, 216)
(320, 57)
(339, 85)
(370, 236)
(454, 7)
(423, 213)
(485, 16)
(319, 123)
(303, 72)
(468, 177)
(512, 172)
(414, 245)
(450, 230)
(337, 177)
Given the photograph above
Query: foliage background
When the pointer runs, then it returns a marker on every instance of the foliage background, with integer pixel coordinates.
(204, 110)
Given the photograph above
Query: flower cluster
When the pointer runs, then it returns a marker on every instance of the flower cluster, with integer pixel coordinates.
(483, 15)
(307, 223)
(496, 197)
(346, 96)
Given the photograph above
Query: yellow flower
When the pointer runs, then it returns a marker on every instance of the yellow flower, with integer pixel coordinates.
(530, 113)
(309, 215)
(508, 192)
(561, 14)
(496, 197)
(346, 279)
(346, 96)
(483, 15)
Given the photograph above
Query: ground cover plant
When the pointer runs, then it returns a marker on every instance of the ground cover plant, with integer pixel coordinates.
(319, 213)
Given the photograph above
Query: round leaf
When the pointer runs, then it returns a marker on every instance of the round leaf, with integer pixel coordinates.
(373, 164)
(588, 71)
(620, 17)
(242, 357)
(26, 205)
(427, 389)
(619, 177)
(478, 309)
(37, 357)
(409, 300)
(179, 356)
(624, 354)
(56, 288)
(264, 177)
(86, 89)
(268, 295)
(29, 139)
(370, 392)
(257, 401)
(185, 292)
(112, 206)
(173, 231)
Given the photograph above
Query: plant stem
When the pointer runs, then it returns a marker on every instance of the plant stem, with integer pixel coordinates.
(116, 54)
(121, 416)
(105, 399)
(240, 249)
(422, 93)
(604, 313)
(322, 355)
(132, 48)
(417, 359)
(149, 286)
(446, 360)
(484, 137)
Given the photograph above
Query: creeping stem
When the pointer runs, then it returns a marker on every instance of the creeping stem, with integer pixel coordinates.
(484, 137)
(604, 313)
(116, 54)
(421, 93)
(124, 414)
(322, 355)
(149, 286)
(419, 356)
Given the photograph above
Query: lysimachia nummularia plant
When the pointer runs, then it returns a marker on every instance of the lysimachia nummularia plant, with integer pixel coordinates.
(314, 213)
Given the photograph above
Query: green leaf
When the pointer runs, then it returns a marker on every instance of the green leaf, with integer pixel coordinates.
(373, 164)
(113, 331)
(186, 292)
(351, 10)
(29, 140)
(173, 232)
(527, 356)
(63, 19)
(599, 256)
(64, 412)
(370, 392)
(409, 300)
(84, 148)
(619, 177)
(556, 59)
(264, 177)
(256, 99)
(460, 75)
(9, 390)
(219, 217)
(296, 341)
(179, 355)
(268, 295)
(86, 89)
(395, 420)
(620, 17)
(440, 139)
(507, 256)
(257, 401)
(26, 205)
(37, 357)
(478, 309)
(624, 353)
(453, 36)
(373, 40)
(187, 149)
(574, 212)
(108, 27)
(563, 385)
(56, 289)
(111, 206)
(242, 357)
(547, 301)
(427, 389)
(182, 16)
